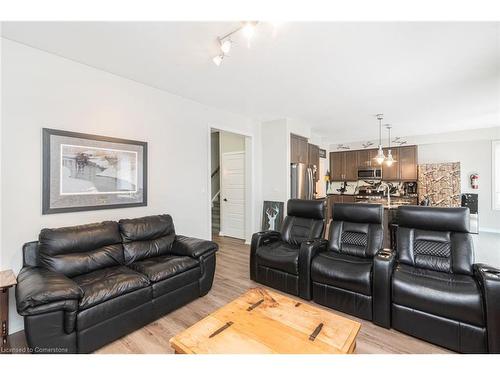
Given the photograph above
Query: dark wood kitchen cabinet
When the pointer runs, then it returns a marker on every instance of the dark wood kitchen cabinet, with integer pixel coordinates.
(408, 160)
(313, 151)
(351, 166)
(344, 166)
(391, 173)
(337, 166)
(366, 158)
(299, 152)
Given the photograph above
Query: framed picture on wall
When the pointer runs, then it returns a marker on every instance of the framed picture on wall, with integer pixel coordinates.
(83, 172)
(272, 215)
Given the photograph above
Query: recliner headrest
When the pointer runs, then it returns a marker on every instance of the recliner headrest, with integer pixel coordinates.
(358, 213)
(306, 208)
(452, 219)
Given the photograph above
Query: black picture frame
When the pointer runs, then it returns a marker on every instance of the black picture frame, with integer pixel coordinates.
(47, 133)
(278, 209)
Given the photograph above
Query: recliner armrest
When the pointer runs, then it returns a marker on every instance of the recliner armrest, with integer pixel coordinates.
(41, 290)
(260, 239)
(488, 278)
(383, 265)
(308, 250)
(193, 247)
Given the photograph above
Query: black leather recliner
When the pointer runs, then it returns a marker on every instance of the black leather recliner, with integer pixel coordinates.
(282, 260)
(82, 287)
(351, 273)
(438, 294)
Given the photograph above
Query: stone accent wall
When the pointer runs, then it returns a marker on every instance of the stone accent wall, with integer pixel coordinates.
(441, 183)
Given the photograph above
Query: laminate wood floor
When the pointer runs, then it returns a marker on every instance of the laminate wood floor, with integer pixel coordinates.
(231, 280)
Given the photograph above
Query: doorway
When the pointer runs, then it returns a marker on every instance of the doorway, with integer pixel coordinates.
(228, 167)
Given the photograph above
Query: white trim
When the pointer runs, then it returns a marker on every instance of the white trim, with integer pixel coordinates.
(488, 230)
(494, 189)
(250, 172)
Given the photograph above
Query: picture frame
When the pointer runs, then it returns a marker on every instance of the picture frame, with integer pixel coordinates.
(84, 172)
(272, 215)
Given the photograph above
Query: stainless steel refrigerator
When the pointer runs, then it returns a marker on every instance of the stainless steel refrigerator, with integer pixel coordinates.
(302, 185)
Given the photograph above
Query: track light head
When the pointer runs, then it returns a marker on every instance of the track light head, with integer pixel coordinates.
(225, 46)
(218, 59)
(248, 29)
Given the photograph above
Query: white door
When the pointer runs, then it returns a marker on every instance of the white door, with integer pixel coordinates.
(232, 203)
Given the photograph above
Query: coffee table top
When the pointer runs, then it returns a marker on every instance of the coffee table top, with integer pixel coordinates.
(264, 321)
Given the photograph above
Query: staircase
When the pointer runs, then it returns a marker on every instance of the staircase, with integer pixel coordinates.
(216, 216)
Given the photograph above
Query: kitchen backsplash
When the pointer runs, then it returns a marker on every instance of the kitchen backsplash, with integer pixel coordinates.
(352, 187)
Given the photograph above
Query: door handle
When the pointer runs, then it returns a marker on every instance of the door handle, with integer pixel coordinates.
(225, 200)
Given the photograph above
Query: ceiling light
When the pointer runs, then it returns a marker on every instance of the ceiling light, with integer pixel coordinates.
(380, 154)
(218, 59)
(225, 46)
(249, 29)
(389, 160)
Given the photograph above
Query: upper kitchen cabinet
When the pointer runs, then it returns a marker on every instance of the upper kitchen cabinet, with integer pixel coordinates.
(337, 166)
(365, 158)
(408, 160)
(391, 173)
(344, 166)
(351, 165)
(299, 152)
(313, 151)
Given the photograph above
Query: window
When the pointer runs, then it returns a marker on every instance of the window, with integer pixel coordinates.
(496, 174)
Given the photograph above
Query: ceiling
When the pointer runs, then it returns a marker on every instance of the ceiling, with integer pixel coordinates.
(425, 77)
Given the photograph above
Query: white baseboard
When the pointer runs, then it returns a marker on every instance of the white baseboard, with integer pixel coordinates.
(489, 230)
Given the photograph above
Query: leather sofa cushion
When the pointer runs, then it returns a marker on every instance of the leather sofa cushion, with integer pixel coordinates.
(280, 256)
(147, 237)
(176, 282)
(343, 271)
(164, 267)
(111, 308)
(452, 296)
(296, 230)
(108, 283)
(81, 249)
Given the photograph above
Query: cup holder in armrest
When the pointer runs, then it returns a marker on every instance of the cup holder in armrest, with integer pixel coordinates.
(385, 254)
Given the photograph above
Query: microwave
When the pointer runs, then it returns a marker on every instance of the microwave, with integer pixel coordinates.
(369, 173)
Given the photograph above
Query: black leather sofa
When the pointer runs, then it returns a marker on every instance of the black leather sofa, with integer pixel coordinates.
(82, 287)
(438, 294)
(351, 272)
(282, 260)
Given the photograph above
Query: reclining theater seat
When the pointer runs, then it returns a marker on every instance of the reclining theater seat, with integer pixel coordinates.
(277, 260)
(437, 293)
(82, 287)
(352, 272)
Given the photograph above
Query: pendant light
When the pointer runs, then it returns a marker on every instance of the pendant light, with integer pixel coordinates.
(380, 153)
(389, 160)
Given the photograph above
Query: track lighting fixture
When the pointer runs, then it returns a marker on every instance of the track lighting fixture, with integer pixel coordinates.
(225, 42)
(225, 46)
(218, 59)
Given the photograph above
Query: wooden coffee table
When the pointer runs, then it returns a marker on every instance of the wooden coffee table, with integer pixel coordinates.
(264, 321)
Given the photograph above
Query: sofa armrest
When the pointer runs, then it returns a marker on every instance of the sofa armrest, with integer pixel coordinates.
(193, 247)
(308, 250)
(383, 265)
(488, 278)
(259, 239)
(41, 290)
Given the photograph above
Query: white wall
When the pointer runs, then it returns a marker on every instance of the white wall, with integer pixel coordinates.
(43, 90)
(275, 160)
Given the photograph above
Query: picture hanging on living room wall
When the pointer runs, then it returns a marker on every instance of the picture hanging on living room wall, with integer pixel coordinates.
(272, 215)
(83, 172)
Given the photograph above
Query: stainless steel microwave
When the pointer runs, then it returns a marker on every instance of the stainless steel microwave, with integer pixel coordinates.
(369, 173)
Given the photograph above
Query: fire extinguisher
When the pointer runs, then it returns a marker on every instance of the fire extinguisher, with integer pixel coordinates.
(474, 181)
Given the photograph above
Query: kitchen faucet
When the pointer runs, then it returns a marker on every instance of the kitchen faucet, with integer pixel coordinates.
(385, 186)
